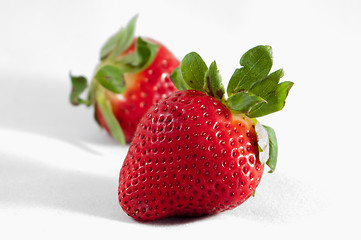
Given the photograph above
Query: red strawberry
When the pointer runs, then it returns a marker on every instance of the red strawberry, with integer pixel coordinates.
(196, 153)
(133, 75)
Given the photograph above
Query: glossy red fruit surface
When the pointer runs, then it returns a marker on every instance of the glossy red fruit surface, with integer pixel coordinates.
(190, 156)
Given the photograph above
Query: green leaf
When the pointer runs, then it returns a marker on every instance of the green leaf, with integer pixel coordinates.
(178, 80)
(111, 121)
(213, 82)
(256, 62)
(140, 59)
(264, 86)
(243, 101)
(79, 84)
(235, 78)
(120, 41)
(111, 78)
(273, 148)
(275, 101)
(193, 70)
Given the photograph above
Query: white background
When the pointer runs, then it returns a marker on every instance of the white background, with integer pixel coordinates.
(59, 170)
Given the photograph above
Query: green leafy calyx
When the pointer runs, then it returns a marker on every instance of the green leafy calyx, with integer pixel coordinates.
(251, 89)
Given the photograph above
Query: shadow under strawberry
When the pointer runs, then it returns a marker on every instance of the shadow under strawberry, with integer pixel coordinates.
(31, 183)
(35, 104)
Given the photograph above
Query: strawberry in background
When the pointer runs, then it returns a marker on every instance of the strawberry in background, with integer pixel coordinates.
(132, 75)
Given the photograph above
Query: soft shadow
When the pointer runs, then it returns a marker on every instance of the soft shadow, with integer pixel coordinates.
(40, 104)
(177, 220)
(279, 198)
(33, 184)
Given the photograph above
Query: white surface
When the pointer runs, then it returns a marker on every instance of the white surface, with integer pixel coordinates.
(59, 171)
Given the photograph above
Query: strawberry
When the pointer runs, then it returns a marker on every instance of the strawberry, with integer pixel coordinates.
(133, 74)
(196, 152)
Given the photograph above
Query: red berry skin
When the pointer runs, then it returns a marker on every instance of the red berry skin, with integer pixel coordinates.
(143, 90)
(190, 156)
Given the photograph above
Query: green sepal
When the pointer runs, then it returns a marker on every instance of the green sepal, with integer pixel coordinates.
(120, 41)
(111, 78)
(264, 86)
(256, 64)
(111, 121)
(79, 84)
(273, 149)
(243, 102)
(193, 69)
(178, 80)
(140, 59)
(213, 82)
(275, 101)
